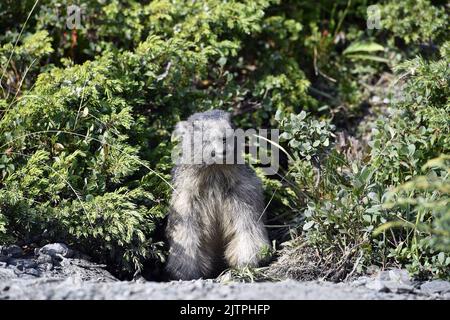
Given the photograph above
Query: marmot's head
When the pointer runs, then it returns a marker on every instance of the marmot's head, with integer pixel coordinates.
(204, 139)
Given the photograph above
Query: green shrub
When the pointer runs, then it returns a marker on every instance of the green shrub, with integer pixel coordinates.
(86, 147)
(81, 145)
(355, 198)
(414, 20)
(337, 222)
(419, 124)
(423, 208)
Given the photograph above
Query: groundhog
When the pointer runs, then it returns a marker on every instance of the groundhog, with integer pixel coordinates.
(216, 211)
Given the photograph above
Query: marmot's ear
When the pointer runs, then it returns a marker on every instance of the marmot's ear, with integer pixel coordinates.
(228, 116)
(181, 129)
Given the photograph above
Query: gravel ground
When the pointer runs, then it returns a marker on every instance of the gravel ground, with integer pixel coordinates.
(73, 288)
(56, 272)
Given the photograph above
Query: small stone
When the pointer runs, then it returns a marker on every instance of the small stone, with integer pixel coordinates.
(373, 269)
(32, 272)
(23, 264)
(383, 276)
(398, 287)
(395, 280)
(44, 258)
(138, 279)
(46, 266)
(436, 286)
(361, 281)
(396, 275)
(56, 249)
(377, 285)
(400, 275)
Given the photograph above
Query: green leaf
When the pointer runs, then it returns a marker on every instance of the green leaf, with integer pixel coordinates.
(85, 112)
(367, 57)
(302, 115)
(441, 257)
(285, 136)
(278, 115)
(308, 225)
(222, 61)
(411, 149)
(358, 47)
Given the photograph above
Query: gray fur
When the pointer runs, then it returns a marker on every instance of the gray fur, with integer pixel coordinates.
(216, 209)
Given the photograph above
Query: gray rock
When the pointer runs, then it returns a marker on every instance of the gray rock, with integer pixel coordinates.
(53, 261)
(45, 266)
(397, 275)
(22, 264)
(401, 276)
(56, 250)
(397, 287)
(361, 281)
(396, 280)
(84, 270)
(32, 272)
(377, 285)
(44, 258)
(12, 251)
(436, 286)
